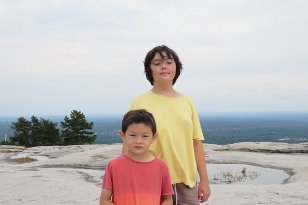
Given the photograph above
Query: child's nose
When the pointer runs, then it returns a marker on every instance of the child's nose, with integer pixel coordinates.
(163, 65)
(139, 140)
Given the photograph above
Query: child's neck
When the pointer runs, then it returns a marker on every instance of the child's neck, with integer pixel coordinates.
(165, 90)
(147, 157)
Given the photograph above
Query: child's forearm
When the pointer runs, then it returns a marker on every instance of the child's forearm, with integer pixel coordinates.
(204, 190)
(200, 160)
(166, 200)
(105, 202)
(105, 197)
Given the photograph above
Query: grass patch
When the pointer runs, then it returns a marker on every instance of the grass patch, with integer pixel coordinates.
(24, 160)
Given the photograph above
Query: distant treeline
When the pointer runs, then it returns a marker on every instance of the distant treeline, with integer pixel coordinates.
(225, 128)
(44, 132)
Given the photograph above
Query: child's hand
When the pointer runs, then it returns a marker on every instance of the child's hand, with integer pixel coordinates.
(204, 191)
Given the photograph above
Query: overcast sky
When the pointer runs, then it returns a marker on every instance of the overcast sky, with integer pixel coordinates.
(238, 56)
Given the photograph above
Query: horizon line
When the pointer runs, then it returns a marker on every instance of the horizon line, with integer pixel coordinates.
(200, 113)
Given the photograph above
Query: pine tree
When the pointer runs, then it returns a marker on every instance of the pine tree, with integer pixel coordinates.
(22, 133)
(77, 130)
(36, 132)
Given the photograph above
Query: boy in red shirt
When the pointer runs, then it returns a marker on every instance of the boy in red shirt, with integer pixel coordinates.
(137, 178)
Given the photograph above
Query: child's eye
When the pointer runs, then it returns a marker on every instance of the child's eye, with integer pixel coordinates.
(157, 64)
(145, 136)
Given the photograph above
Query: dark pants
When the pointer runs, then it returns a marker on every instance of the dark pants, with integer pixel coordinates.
(184, 195)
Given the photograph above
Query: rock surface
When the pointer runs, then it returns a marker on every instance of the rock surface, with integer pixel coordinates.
(72, 175)
(269, 147)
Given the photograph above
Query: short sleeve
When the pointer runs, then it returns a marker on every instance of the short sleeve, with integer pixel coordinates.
(197, 130)
(198, 134)
(166, 182)
(107, 180)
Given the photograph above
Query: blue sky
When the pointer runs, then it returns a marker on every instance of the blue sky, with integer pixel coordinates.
(238, 56)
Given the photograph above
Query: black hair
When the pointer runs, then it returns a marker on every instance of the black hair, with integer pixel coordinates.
(137, 117)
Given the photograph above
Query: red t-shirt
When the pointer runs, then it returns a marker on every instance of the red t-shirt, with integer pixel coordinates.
(137, 183)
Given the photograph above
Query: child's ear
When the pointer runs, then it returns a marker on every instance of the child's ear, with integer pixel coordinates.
(121, 134)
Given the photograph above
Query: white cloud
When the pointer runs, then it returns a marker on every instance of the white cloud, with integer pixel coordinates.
(231, 50)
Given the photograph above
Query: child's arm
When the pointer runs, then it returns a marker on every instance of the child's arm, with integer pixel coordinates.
(105, 197)
(204, 190)
(166, 200)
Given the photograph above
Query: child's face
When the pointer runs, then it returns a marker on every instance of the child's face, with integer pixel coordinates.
(138, 139)
(163, 69)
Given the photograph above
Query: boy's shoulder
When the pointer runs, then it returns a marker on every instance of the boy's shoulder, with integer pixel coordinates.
(142, 95)
(161, 162)
(187, 97)
(116, 160)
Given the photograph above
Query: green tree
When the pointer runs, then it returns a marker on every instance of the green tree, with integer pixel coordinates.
(77, 130)
(44, 132)
(22, 132)
(36, 132)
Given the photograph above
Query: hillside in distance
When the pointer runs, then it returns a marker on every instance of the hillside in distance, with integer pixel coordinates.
(217, 128)
(265, 127)
(230, 128)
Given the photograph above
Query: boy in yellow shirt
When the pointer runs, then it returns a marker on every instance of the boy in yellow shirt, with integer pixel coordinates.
(180, 135)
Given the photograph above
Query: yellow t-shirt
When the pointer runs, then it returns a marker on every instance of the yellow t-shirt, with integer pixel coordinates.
(177, 126)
